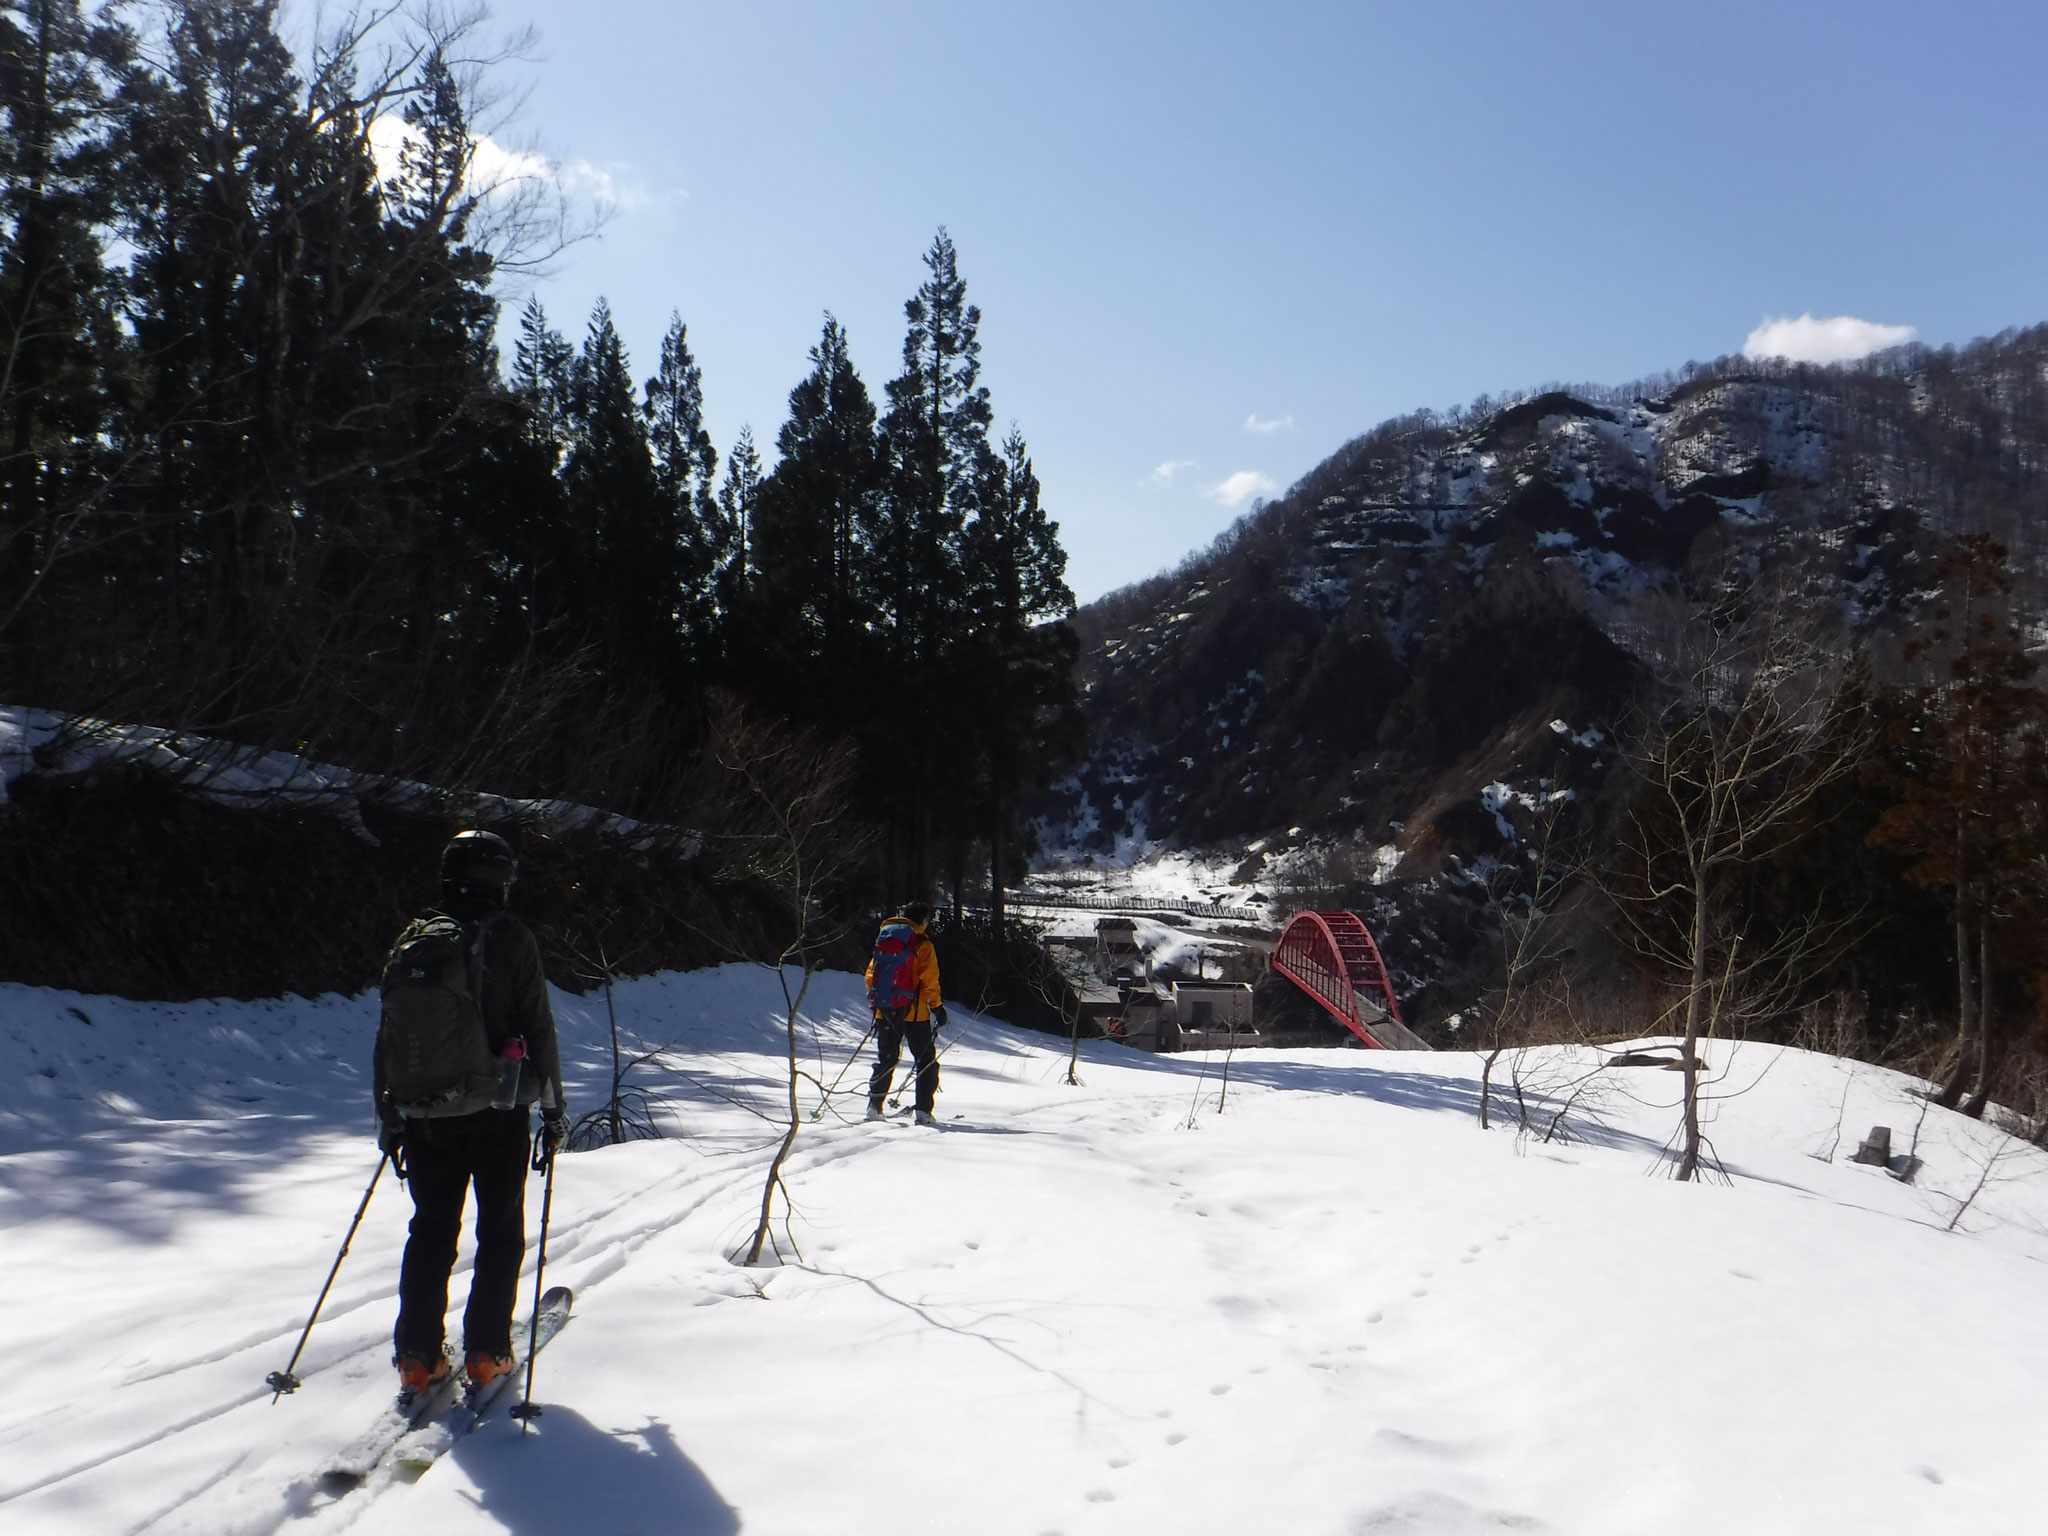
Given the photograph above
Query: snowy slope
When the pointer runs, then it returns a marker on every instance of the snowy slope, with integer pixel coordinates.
(44, 741)
(1335, 1306)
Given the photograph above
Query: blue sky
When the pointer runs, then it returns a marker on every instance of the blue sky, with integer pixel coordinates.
(1212, 242)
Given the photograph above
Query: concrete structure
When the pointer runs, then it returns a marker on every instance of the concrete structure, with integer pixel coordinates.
(1118, 956)
(1213, 1006)
(1147, 1022)
(1115, 993)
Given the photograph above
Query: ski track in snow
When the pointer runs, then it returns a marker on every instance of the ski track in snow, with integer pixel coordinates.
(1336, 1307)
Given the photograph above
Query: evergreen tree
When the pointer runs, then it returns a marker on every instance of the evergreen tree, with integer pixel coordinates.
(614, 500)
(685, 465)
(1015, 567)
(731, 536)
(935, 441)
(218, 137)
(548, 558)
(317, 341)
(58, 72)
(542, 366)
(1017, 711)
(935, 438)
(823, 494)
(323, 512)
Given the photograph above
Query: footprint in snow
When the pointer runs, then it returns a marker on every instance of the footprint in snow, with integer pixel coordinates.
(1175, 1438)
(1220, 1390)
(1118, 1463)
(1100, 1496)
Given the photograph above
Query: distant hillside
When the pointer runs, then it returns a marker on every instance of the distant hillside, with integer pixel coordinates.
(1449, 616)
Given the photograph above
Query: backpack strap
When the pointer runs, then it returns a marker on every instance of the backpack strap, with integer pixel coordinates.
(473, 960)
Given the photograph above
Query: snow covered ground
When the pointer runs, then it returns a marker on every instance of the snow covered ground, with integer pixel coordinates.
(1187, 947)
(1244, 879)
(1334, 1306)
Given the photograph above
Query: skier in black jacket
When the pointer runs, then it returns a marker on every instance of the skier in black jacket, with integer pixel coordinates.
(442, 1153)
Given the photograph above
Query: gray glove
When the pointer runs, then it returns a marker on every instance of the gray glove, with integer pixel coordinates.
(939, 1016)
(554, 1127)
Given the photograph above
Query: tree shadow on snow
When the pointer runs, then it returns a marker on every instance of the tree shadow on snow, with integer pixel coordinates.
(143, 1178)
(1363, 1077)
(570, 1475)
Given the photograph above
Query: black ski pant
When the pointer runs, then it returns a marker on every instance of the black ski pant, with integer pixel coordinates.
(443, 1158)
(890, 1034)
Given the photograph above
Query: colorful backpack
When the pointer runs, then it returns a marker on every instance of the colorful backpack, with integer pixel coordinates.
(895, 970)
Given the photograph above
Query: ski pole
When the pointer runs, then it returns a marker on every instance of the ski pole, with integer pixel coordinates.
(938, 1055)
(530, 1410)
(281, 1382)
(820, 1110)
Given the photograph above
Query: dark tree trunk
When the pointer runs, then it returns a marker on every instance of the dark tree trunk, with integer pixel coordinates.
(1988, 1056)
(1951, 1093)
(995, 875)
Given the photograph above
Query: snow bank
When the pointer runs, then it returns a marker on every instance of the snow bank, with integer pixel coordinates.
(41, 740)
(1329, 1304)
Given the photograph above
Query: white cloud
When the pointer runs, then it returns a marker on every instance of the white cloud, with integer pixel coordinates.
(1162, 475)
(388, 135)
(1266, 426)
(580, 177)
(495, 171)
(1837, 339)
(1235, 490)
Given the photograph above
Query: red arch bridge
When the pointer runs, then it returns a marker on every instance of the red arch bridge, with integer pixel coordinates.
(1331, 957)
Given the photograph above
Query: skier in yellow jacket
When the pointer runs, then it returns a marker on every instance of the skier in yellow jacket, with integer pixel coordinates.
(903, 990)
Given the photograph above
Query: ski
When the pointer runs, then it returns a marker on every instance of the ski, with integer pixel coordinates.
(354, 1462)
(420, 1448)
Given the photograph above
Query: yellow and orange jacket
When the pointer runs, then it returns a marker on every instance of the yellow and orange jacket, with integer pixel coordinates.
(925, 964)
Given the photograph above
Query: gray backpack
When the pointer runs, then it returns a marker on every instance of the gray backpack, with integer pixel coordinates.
(431, 1039)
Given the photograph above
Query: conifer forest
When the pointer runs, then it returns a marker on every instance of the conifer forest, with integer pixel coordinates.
(280, 470)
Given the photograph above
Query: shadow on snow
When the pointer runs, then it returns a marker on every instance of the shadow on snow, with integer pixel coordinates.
(570, 1475)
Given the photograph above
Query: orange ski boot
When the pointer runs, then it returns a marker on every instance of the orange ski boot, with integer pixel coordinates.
(482, 1368)
(417, 1374)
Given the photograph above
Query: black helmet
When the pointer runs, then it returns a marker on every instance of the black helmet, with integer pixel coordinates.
(478, 863)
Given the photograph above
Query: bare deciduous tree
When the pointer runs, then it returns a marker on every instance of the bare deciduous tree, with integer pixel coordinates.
(1755, 724)
(785, 823)
(628, 1112)
(1523, 902)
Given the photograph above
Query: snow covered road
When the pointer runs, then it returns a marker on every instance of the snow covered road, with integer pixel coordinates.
(1337, 1306)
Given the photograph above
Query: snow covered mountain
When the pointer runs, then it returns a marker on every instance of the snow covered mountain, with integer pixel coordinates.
(1436, 630)
(1312, 1296)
